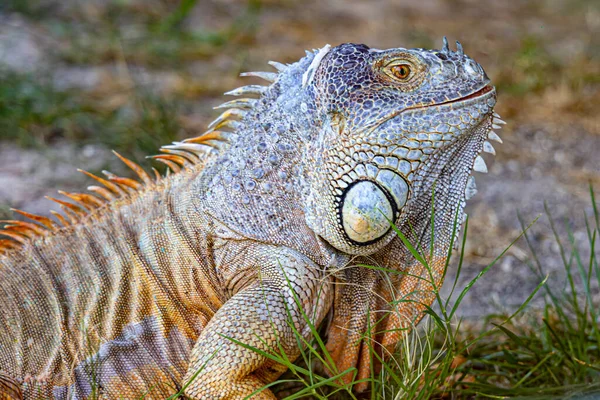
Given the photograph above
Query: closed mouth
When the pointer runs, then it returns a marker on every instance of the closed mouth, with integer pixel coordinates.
(484, 90)
(475, 95)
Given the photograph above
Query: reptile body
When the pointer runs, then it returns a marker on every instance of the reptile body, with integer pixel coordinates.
(262, 229)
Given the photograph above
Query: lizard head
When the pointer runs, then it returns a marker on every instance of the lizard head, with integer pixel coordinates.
(396, 126)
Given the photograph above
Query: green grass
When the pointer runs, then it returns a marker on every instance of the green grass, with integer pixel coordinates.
(533, 69)
(30, 8)
(123, 116)
(34, 113)
(153, 36)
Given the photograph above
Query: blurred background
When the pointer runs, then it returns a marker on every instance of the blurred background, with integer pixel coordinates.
(78, 78)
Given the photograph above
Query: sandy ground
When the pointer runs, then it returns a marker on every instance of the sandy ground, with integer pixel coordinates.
(551, 142)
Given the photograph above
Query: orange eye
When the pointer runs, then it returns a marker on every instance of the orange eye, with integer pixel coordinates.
(401, 71)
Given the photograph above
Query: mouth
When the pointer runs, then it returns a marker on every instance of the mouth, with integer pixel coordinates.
(485, 91)
(479, 93)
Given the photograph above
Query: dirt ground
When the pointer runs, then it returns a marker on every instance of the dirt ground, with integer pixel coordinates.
(544, 57)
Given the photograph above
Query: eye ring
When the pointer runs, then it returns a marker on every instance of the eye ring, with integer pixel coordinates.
(405, 71)
(401, 71)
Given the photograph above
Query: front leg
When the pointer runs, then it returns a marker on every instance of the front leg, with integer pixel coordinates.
(260, 316)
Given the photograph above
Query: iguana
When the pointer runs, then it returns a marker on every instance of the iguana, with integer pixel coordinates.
(262, 226)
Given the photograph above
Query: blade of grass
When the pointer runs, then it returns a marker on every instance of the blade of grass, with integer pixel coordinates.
(486, 269)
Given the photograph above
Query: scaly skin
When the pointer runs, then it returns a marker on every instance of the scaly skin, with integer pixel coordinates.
(150, 286)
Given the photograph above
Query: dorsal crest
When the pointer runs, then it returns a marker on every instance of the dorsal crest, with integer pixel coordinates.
(177, 156)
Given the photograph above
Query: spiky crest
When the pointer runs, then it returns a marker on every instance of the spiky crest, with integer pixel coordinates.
(176, 156)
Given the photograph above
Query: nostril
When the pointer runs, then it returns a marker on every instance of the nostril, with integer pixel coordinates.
(473, 68)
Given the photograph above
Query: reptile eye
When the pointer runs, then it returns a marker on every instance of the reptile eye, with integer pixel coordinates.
(401, 71)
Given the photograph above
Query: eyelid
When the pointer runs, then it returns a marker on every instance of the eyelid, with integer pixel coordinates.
(395, 62)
